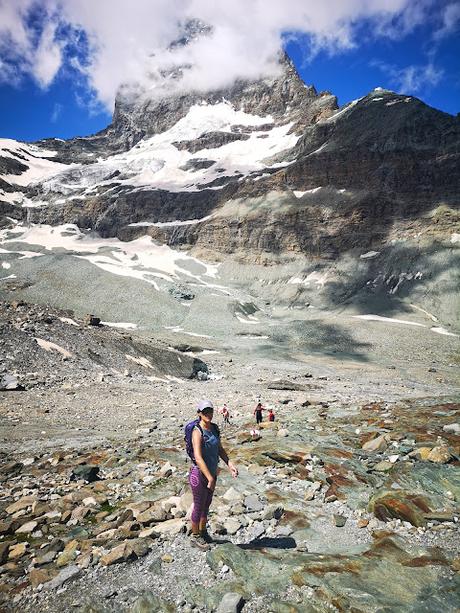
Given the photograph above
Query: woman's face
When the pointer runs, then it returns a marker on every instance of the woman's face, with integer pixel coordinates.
(207, 415)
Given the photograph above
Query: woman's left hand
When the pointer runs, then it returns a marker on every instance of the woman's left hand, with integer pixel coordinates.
(233, 469)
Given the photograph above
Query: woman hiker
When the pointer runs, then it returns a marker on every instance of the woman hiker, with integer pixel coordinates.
(207, 449)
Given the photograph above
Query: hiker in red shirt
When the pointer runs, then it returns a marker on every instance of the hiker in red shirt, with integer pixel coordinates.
(271, 415)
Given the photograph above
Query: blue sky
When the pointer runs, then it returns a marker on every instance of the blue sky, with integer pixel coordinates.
(60, 67)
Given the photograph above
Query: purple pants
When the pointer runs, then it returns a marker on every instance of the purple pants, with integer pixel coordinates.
(202, 496)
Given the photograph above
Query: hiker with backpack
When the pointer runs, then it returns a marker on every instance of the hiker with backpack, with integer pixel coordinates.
(204, 447)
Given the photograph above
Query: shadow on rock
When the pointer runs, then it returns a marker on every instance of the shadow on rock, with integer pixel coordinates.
(284, 542)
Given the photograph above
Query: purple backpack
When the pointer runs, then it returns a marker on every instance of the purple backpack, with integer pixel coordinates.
(188, 436)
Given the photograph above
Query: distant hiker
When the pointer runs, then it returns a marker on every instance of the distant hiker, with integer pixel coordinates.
(204, 448)
(226, 414)
(258, 412)
(271, 415)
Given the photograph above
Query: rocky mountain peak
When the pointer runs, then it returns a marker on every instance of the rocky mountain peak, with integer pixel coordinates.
(284, 98)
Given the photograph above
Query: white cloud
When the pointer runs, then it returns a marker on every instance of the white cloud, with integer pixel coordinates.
(411, 79)
(450, 21)
(128, 41)
(57, 110)
(47, 57)
(26, 49)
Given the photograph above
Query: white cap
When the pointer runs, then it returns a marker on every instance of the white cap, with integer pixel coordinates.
(204, 404)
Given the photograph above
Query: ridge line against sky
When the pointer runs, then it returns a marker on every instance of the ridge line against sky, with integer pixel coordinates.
(62, 61)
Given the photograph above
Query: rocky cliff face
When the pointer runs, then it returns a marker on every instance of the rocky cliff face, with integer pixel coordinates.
(270, 166)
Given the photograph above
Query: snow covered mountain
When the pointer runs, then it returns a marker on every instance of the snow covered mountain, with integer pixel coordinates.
(260, 172)
(275, 148)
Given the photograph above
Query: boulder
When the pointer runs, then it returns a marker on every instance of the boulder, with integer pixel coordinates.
(23, 503)
(27, 528)
(452, 428)
(66, 574)
(152, 515)
(9, 383)
(380, 443)
(232, 602)
(91, 320)
(86, 472)
(232, 525)
(170, 527)
(17, 551)
(139, 547)
(252, 503)
(38, 576)
(118, 554)
(421, 453)
(439, 455)
(69, 554)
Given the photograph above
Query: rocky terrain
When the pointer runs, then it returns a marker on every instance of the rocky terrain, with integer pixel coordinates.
(353, 488)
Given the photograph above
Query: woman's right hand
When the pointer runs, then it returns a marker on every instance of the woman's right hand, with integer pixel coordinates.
(211, 483)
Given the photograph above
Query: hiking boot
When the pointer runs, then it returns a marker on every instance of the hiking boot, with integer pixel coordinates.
(206, 537)
(196, 540)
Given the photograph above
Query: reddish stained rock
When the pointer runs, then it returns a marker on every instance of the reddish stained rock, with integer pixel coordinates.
(435, 560)
(402, 506)
(373, 406)
(338, 453)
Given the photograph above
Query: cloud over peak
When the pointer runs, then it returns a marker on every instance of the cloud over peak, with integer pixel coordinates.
(112, 42)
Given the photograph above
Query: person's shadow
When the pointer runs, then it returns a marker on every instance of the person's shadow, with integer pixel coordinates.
(266, 542)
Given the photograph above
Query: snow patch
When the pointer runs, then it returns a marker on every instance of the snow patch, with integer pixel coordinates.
(298, 194)
(49, 346)
(249, 320)
(141, 259)
(39, 168)
(161, 224)
(126, 326)
(455, 238)
(141, 361)
(341, 112)
(68, 320)
(182, 331)
(443, 331)
(369, 255)
(388, 320)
